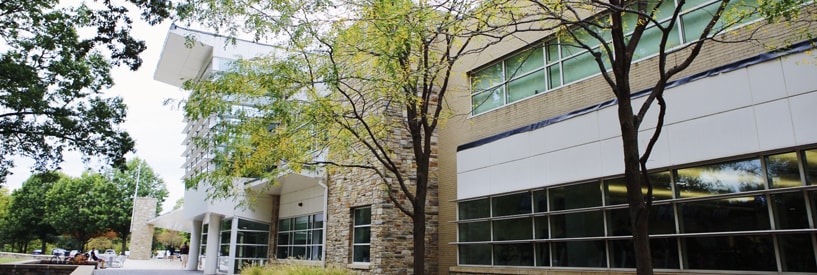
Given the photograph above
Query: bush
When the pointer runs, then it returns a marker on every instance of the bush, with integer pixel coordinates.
(292, 269)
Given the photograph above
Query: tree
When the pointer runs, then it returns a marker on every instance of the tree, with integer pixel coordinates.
(73, 207)
(28, 209)
(52, 78)
(5, 201)
(115, 196)
(365, 93)
(613, 34)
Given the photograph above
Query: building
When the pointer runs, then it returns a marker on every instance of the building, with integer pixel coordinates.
(532, 181)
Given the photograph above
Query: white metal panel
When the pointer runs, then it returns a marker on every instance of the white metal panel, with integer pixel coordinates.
(608, 122)
(573, 132)
(804, 117)
(572, 164)
(711, 137)
(612, 156)
(511, 176)
(473, 158)
(473, 183)
(660, 156)
(708, 96)
(766, 81)
(774, 125)
(800, 71)
(510, 148)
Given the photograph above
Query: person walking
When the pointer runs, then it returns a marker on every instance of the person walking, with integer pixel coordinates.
(172, 251)
(184, 250)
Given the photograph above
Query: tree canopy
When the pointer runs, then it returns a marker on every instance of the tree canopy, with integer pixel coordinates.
(53, 75)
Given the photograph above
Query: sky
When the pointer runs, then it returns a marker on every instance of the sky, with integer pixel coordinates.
(156, 128)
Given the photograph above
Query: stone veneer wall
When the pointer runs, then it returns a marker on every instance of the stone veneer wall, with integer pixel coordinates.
(391, 250)
(142, 235)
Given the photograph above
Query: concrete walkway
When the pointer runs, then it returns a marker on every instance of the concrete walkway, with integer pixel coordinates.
(148, 267)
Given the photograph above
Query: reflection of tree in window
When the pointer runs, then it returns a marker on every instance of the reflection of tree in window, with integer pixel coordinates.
(722, 178)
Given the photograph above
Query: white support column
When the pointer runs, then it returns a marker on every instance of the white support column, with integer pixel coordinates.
(195, 244)
(211, 257)
(233, 240)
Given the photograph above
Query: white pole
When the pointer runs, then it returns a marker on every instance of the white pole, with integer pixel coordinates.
(135, 193)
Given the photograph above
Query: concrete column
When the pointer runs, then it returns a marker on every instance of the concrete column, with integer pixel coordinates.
(195, 244)
(211, 257)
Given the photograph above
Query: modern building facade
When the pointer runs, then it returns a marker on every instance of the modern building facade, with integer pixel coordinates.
(532, 181)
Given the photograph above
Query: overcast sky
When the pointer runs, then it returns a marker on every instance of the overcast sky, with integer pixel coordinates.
(156, 128)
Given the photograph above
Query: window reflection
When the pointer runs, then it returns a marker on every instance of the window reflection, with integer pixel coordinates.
(474, 209)
(584, 224)
(512, 204)
(575, 196)
(722, 178)
(789, 210)
(661, 221)
(731, 214)
(579, 254)
(520, 254)
(810, 158)
(616, 189)
(783, 171)
(664, 253)
(730, 253)
(796, 257)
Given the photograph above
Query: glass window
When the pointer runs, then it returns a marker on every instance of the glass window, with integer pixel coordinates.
(514, 204)
(542, 254)
(722, 178)
(475, 231)
(300, 237)
(730, 253)
(783, 170)
(574, 225)
(810, 159)
(794, 256)
(513, 229)
(518, 254)
(664, 253)
(616, 189)
(474, 209)
(661, 221)
(789, 210)
(579, 254)
(540, 201)
(475, 254)
(362, 234)
(575, 196)
(541, 227)
(722, 215)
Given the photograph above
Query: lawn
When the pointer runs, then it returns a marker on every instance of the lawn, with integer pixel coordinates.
(8, 260)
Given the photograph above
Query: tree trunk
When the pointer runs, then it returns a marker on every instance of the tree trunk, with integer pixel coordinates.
(632, 175)
(419, 220)
(124, 235)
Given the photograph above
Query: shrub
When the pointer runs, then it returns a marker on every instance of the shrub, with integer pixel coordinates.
(292, 269)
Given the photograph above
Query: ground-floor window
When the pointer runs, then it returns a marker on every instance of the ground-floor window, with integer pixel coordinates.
(252, 243)
(301, 237)
(750, 214)
(361, 232)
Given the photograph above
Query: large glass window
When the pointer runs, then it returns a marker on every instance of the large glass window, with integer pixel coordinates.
(301, 237)
(743, 215)
(362, 230)
(252, 243)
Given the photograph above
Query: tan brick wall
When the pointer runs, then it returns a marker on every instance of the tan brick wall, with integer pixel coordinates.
(461, 128)
(142, 235)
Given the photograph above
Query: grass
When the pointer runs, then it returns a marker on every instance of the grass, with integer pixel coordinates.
(8, 260)
(292, 269)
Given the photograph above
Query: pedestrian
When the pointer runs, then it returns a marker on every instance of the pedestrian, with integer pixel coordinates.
(184, 251)
(172, 251)
(97, 259)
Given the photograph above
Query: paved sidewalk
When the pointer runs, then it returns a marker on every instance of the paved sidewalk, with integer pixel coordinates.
(148, 267)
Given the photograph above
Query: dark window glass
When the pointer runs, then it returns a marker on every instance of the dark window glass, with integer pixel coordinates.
(541, 227)
(299, 252)
(783, 170)
(722, 178)
(300, 237)
(789, 210)
(574, 225)
(575, 196)
(363, 216)
(361, 254)
(512, 204)
(251, 225)
(362, 235)
(253, 237)
(616, 189)
(810, 159)
(362, 220)
(729, 214)
(797, 253)
(664, 253)
(474, 209)
(513, 229)
(542, 254)
(730, 253)
(662, 221)
(513, 254)
(579, 254)
(283, 239)
(475, 231)
(317, 221)
(284, 225)
(540, 201)
(475, 254)
(302, 223)
(283, 252)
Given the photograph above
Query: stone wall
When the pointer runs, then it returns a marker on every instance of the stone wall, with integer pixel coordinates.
(142, 234)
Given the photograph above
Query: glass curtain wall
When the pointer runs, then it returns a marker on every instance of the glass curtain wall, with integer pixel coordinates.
(301, 238)
(752, 214)
(252, 243)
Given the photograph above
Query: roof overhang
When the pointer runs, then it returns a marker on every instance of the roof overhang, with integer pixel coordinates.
(182, 59)
(173, 220)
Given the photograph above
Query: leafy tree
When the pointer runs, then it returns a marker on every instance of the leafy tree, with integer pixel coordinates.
(52, 78)
(170, 238)
(365, 93)
(5, 201)
(617, 33)
(115, 196)
(28, 209)
(73, 207)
